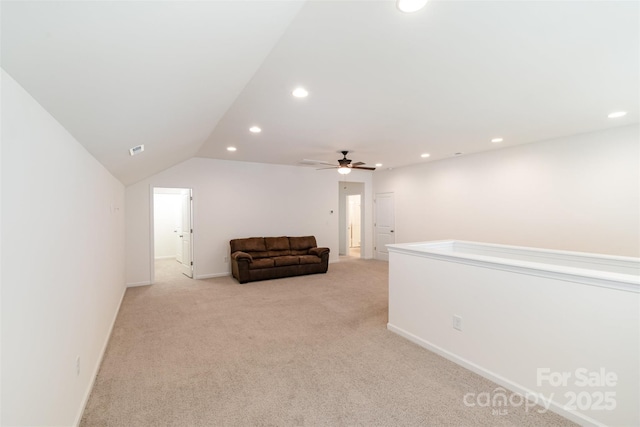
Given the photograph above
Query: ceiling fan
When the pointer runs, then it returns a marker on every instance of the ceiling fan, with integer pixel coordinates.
(344, 165)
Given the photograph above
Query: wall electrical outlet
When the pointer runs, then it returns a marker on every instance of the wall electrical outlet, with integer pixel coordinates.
(77, 365)
(226, 259)
(457, 322)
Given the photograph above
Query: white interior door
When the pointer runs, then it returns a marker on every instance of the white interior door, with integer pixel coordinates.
(384, 225)
(187, 234)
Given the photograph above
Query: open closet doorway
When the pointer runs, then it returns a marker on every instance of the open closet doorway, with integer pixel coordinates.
(351, 238)
(354, 221)
(172, 233)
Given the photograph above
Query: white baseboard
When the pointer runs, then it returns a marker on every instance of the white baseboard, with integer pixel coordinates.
(211, 276)
(576, 417)
(133, 285)
(165, 257)
(96, 369)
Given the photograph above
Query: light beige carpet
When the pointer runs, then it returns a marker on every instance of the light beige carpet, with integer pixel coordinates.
(307, 351)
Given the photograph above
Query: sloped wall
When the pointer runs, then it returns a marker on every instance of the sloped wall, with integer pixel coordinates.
(62, 264)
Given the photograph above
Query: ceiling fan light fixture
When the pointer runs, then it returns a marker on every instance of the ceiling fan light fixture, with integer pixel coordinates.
(343, 170)
(410, 6)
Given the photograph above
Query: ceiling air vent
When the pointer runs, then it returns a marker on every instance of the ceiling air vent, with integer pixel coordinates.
(136, 150)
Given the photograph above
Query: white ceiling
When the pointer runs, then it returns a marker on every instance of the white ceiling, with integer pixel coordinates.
(189, 78)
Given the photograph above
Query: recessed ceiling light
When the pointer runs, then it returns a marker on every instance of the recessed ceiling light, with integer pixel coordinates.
(378, 165)
(410, 6)
(255, 129)
(496, 140)
(136, 150)
(425, 155)
(300, 92)
(231, 148)
(617, 114)
(458, 154)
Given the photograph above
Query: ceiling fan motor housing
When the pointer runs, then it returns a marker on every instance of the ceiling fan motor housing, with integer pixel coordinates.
(344, 161)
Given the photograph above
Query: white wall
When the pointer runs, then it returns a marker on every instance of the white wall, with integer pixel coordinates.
(578, 193)
(239, 199)
(167, 208)
(62, 264)
(1, 326)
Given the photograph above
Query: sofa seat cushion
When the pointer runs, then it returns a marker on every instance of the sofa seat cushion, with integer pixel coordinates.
(273, 254)
(286, 260)
(310, 259)
(299, 251)
(261, 263)
(257, 255)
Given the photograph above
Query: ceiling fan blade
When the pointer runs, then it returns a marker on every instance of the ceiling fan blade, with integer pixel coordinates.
(333, 167)
(364, 167)
(315, 162)
(358, 164)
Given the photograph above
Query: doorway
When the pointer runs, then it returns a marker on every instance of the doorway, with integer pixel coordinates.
(351, 218)
(172, 233)
(354, 224)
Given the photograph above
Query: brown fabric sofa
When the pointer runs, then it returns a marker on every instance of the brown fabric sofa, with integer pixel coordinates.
(263, 258)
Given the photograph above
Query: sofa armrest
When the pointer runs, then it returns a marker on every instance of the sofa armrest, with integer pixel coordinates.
(318, 251)
(238, 255)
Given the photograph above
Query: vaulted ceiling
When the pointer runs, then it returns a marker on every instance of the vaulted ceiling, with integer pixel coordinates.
(188, 78)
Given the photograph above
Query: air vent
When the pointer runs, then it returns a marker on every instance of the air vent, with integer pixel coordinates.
(136, 150)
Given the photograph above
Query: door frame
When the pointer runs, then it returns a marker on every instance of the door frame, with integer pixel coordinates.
(152, 249)
(187, 192)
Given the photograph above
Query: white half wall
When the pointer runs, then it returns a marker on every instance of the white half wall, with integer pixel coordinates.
(515, 314)
(579, 193)
(62, 264)
(240, 199)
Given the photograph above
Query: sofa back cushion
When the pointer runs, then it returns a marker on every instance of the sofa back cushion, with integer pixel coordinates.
(277, 246)
(277, 243)
(302, 244)
(263, 247)
(254, 246)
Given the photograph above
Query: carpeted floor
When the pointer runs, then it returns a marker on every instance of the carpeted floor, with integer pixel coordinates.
(304, 351)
